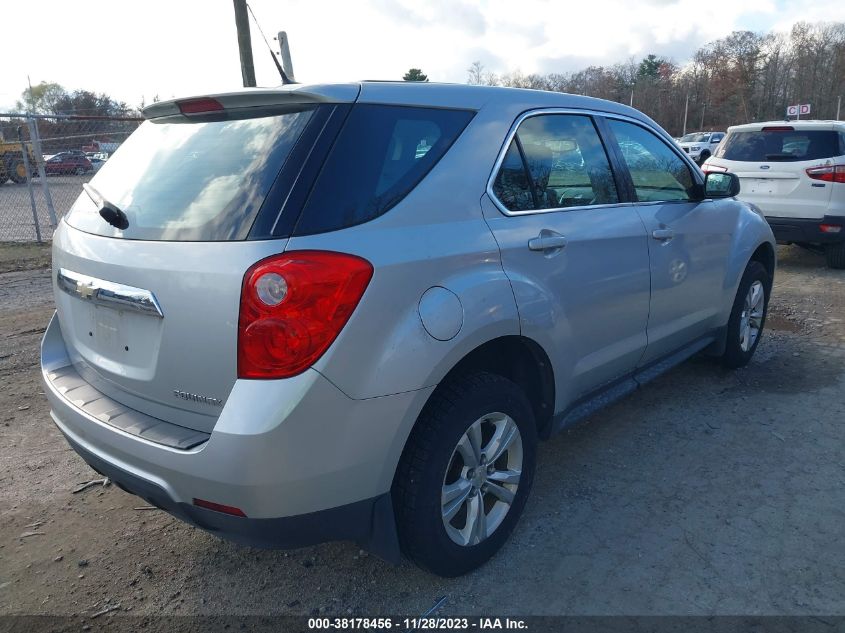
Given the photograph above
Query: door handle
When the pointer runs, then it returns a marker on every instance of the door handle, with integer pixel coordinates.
(547, 241)
(663, 235)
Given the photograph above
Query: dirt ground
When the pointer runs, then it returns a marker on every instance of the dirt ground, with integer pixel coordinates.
(707, 492)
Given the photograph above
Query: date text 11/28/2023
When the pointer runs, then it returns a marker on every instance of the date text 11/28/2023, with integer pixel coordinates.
(417, 624)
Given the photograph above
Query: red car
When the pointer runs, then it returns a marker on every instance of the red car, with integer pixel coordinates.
(66, 163)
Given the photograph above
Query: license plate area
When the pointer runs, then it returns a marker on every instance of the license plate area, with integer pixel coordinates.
(760, 185)
(118, 342)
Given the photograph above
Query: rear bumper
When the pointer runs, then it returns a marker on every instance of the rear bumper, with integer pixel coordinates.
(788, 230)
(367, 521)
(304, 462)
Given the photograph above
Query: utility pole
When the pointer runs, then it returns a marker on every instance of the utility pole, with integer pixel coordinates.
(838, 106)
(244, 43)
(686, 111)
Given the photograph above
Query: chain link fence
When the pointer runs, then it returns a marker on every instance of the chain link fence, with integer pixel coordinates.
(44, 160)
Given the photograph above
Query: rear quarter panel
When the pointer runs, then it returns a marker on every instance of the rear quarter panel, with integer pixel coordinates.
(436, 236)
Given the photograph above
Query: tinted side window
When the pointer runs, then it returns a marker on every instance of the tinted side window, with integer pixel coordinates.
(380, 155)
(511, 186)
(657, 172)
(565, 160)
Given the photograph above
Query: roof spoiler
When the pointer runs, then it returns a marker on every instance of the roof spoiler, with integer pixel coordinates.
(290, 94)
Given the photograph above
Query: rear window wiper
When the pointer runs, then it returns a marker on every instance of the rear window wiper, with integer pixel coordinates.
(111, 213)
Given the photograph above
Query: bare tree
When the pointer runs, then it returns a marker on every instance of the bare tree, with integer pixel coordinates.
(743, 77)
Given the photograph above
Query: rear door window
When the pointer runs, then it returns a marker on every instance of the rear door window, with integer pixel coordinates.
(177, 179)
(380, 155)
(781, 145)
(565, 165)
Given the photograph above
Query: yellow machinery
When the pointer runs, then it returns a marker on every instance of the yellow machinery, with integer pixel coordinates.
(12, 166)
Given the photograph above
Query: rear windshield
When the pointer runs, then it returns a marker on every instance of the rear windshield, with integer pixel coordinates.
(188, 180)
(781, 145)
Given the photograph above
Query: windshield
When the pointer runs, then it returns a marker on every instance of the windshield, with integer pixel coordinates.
(695, 138)
(188, 180)
(783, 145)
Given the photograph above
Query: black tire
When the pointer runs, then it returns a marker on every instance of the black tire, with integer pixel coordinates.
(834, 255)
(734, 355)
(422, 471)
(17, 171)
(703, 157)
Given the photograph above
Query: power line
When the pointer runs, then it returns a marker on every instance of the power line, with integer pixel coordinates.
(255, 19)
(285, 78)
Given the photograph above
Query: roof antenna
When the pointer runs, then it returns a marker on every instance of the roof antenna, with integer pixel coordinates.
(283, 41)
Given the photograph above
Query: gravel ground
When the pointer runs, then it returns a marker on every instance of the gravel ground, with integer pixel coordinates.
(707, 492)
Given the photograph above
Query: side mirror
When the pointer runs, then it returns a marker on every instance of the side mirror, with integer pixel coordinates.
(721, 185)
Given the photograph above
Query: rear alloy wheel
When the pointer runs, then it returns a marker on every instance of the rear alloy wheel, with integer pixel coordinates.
(748, 316)
(482, 479)
(835, 255)
(465, 474)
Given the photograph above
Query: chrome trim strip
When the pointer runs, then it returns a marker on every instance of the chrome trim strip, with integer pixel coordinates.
(583, 112)
(108, 293)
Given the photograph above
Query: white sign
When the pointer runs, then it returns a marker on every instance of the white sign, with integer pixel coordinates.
(798, 110)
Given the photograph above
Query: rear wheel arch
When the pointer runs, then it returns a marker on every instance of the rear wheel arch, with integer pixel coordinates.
(520, 360)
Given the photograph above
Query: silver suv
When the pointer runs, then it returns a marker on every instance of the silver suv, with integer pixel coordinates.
(350, 311)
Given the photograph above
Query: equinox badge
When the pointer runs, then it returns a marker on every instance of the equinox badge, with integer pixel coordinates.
(215, 402)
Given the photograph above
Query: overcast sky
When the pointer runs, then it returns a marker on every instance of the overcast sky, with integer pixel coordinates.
(131, 50)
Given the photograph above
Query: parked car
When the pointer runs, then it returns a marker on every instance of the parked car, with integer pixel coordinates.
(67, 163)
(700, 145)
(795, 173)
(295, 326)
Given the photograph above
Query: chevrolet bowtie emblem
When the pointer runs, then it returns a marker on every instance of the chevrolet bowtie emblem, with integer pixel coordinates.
(85, 290)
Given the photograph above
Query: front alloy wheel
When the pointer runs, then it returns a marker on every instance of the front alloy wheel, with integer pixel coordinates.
(748, 315)
(482, 479)
(752, 316)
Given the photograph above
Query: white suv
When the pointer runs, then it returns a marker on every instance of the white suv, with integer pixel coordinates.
(794, 172)
(700, 145)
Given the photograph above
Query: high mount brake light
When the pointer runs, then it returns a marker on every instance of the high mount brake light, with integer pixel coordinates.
(293, 306)
(199, 106)
(827, 173)
(778, 128)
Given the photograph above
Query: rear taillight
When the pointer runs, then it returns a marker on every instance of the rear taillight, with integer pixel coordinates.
(830, 228)
(828, 173)
(293, 306)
